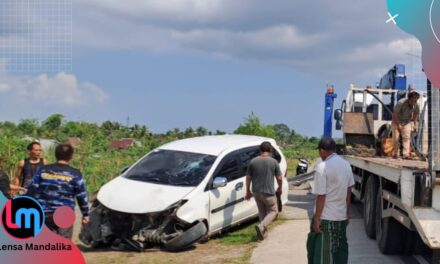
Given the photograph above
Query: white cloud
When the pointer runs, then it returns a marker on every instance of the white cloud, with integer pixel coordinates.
(4, 88)
(3, 64)
(325, 39)
(395, 48)
(281, 38)
(60, 90)
(99, 94)
(171, 10)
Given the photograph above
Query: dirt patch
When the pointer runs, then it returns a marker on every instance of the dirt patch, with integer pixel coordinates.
(210, 252)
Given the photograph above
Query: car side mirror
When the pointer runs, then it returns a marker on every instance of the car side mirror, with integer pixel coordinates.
(124, 170)
(219, 182)
(339, 125)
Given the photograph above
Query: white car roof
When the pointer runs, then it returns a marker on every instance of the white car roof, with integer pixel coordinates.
(214, 145)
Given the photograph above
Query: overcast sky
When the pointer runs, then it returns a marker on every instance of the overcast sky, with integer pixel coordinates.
(180, 63)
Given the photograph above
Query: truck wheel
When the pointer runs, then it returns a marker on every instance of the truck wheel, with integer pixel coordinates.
(187, 238)
(389, 233)
(370, 206)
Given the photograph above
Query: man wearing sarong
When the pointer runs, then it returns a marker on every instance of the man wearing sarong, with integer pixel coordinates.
(327, 240)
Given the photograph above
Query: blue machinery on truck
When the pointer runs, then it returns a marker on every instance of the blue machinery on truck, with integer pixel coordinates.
(394, 79)
(330, 97)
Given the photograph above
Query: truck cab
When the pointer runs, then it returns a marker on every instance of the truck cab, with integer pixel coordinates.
(366, 114)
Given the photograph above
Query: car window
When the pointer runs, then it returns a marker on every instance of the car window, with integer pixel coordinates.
(229, 168)
(172, 168)
(246, 155)
(276, 155)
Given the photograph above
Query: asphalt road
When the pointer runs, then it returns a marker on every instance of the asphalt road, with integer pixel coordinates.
(287, 243)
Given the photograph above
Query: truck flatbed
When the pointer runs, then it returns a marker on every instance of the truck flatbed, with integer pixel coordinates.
(388, 168)
(395, 163)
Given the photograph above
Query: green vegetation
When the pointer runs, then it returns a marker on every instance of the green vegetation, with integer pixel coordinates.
(246, 234)
(99, 162)
(240, 235)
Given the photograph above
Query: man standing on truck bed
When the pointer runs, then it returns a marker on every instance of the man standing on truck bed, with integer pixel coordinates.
(327, 240)
(405, 120)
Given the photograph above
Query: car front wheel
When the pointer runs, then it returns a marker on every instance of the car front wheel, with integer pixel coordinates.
(187, 238)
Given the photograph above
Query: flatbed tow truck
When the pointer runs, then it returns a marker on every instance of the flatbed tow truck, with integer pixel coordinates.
(401, 198)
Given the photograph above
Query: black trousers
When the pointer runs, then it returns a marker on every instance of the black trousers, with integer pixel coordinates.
(64, 232)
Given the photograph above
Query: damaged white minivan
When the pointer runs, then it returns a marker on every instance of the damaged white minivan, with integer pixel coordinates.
(178, 194)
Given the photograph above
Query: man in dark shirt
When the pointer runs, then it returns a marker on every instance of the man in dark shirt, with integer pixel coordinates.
(57, 185)
(261, 172)
(5, 186)
(4, 182)
(29, 166)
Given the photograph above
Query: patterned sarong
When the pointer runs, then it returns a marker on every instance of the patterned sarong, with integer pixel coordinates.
(330, 246)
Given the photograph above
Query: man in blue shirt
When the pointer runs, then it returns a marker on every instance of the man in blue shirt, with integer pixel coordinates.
(57, 185)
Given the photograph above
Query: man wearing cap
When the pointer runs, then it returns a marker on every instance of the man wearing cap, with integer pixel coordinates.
(405, 120)
(327, 240)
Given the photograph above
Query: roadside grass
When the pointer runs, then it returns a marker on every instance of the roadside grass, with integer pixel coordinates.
(245, 234)
(291, 167)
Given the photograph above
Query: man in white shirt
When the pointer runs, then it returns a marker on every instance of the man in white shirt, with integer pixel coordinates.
(327, 240)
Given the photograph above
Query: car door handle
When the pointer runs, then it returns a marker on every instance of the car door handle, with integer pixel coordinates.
(239, 186)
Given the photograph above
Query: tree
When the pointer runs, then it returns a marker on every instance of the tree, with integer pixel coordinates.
(51, 125)
(201, 131)
(108, 127)
(28, 127)
(189, 132)
(139, 132)
(253, 126)
(8, 128)
(71, 129)
(12, 149)
(219, 132)
(314, 140)
(282, 132)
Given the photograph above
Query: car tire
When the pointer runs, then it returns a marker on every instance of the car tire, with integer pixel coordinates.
(187, 238)
(369, 211)
(90, 234)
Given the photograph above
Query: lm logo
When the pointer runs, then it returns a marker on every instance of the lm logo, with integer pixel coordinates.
(22, 217)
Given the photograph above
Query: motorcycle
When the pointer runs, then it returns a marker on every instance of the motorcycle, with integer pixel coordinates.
(302, 167)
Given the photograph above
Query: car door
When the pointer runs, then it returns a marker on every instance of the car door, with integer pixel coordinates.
(276, 154)
(249, 208)
(246, 155)
(225, 201)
